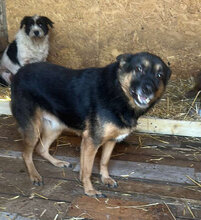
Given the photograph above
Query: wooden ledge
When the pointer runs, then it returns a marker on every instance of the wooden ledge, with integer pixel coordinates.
(149, 124)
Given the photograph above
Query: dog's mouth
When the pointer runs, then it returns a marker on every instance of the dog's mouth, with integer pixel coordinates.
(141, 99)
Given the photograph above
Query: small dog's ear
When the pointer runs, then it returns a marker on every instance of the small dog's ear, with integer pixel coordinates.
(124, 61)
(47, 21)
(24, 21)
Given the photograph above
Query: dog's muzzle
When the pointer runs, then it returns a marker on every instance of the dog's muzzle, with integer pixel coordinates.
(143, 95)
(36, 33)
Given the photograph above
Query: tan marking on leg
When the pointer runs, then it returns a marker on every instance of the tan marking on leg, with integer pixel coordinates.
(81, 158)
(111, 132)
(88, 153)
(31, 136)
(107, 149)
(51, 129)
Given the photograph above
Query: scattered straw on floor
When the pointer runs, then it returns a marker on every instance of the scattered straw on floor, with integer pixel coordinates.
(4, 93)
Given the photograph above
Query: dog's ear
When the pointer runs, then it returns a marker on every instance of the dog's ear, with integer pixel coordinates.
(24, 21)
(169, 72)
(47, 21)
(124, 61)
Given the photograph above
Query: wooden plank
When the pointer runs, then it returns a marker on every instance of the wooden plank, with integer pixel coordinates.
(10, 168)
(169, 127)
(147, 171)
(16, 191)
(5, 108)
(136, 170)
(149, 125)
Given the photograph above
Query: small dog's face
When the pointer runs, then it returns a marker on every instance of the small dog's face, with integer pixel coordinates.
(143, 78)
(36, 26)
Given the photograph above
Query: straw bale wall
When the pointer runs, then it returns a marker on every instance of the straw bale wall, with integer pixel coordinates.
(93, 32)
(3, 27)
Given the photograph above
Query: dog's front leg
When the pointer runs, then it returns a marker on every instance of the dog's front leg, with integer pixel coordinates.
(106, 154)
(88, 153)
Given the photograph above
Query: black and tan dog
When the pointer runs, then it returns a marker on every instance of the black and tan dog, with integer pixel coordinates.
(101, 104)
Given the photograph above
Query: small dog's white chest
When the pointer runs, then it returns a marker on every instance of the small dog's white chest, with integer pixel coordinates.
(121, 137)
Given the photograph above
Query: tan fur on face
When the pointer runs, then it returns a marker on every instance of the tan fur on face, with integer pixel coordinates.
(159, 92)
(125, 81)
(146, 63)
(157, 67)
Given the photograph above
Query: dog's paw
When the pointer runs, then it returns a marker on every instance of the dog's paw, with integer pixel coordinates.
(62, 164)
(95, 194)
(109, 182)
(37, 180)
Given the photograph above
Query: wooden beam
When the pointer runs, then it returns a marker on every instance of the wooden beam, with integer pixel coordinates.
(5, 108)
(169, 127)
(149, 125)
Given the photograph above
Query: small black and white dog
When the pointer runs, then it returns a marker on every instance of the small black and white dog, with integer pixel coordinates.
(31, 45)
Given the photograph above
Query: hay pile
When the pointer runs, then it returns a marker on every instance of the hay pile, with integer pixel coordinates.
(4, 93)
(174, 104)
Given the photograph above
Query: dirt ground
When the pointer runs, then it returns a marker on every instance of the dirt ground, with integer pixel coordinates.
(160, 180)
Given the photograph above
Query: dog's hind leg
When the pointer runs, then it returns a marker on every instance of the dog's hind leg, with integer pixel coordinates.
(49, 134)
(107, 149)
(31, 136)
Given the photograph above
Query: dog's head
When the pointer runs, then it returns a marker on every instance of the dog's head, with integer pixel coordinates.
(143, 78)
(36, 26)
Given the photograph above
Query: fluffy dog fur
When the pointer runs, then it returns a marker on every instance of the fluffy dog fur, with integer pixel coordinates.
(30, 45)
(101, 104)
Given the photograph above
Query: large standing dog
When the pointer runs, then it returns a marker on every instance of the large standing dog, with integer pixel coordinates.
(101, 104)
(31, 45)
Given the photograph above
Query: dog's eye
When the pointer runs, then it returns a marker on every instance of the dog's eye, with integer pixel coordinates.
(159, 74)
(40, 25)
(138, 68)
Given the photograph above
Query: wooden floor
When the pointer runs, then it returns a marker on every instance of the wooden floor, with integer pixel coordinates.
(159, 179)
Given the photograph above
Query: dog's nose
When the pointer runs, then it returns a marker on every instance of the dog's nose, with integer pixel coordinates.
(147, 89)
(36, 33)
